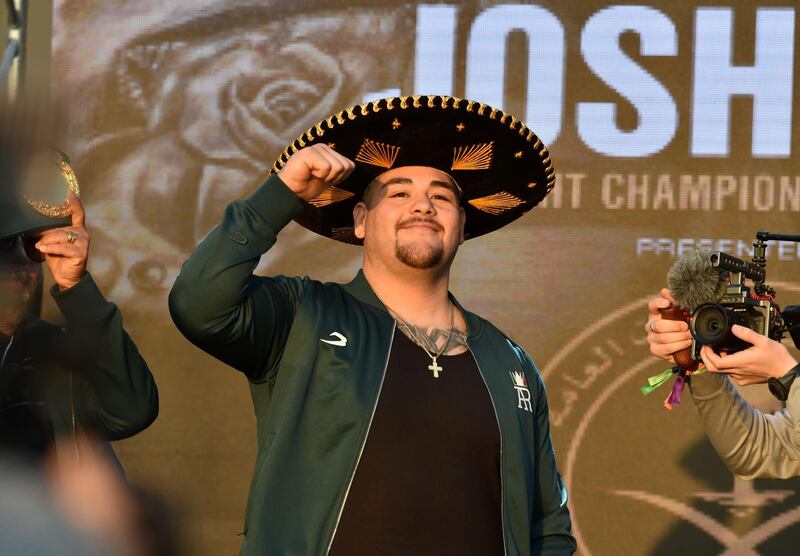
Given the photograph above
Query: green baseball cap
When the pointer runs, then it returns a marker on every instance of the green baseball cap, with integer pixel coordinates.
(35, 195)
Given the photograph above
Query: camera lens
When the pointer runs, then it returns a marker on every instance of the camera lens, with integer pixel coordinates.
(711, 326)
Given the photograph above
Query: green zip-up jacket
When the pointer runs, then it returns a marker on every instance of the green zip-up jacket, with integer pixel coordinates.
(85, 376)
(314, 401)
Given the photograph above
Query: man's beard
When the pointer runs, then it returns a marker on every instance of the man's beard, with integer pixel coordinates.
(418, 256)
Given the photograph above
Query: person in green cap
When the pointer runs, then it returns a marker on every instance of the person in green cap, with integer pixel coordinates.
(58, 383)
(391, 420)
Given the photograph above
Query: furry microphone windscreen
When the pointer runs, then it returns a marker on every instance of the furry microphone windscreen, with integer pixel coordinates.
(693, 281)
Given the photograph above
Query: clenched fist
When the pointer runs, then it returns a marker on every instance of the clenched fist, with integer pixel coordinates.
(310, 171)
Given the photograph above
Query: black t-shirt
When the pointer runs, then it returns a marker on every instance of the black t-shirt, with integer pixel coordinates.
(428, 481)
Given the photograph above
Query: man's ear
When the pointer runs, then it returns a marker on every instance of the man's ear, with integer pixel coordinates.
(359, 216)
(462, 216)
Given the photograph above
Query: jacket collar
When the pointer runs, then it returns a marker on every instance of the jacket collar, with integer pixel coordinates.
(360, 288)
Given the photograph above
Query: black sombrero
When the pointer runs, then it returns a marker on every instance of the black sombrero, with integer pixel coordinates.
(502, 167)
(34, 197)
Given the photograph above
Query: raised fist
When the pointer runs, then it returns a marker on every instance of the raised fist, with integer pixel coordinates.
(311, 170)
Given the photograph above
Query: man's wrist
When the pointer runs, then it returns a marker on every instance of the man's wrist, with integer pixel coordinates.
(299, 189)
(786, 365)
(62, 287)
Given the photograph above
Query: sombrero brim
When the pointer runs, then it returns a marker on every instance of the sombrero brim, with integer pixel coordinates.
(502, 167)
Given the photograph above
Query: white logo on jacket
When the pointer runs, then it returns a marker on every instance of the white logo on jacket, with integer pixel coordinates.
(523, 393)
(340, 339)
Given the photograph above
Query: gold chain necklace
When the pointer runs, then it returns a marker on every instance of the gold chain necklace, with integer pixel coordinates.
(434, 366)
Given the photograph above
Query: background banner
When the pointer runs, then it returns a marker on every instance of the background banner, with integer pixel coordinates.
(671, 127)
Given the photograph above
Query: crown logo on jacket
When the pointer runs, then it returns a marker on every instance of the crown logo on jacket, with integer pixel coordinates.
(519, 379)
(523, 393)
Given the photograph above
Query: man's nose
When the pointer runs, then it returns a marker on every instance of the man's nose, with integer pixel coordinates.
(423, 204)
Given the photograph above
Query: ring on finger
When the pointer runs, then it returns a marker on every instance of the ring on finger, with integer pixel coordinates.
(72, 237)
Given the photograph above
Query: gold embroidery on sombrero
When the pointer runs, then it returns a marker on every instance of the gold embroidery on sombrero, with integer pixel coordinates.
(69, 175)
(60, 210)
(473, 157)
(331, 195)
(346, 235)
(51, 211)
(377, 154)
(467, 116)
(497, 203)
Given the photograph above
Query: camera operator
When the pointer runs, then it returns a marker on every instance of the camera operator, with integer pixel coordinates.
(751, 443)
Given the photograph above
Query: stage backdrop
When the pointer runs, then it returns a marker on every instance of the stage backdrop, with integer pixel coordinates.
(671, 126)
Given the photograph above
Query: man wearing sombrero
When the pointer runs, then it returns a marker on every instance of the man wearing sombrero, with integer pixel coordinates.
(391, 420)
(59, 382)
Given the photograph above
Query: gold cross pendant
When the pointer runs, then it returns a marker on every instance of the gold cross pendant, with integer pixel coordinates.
(435, 368)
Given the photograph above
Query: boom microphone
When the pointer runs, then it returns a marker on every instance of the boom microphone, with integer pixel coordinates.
(693, 280)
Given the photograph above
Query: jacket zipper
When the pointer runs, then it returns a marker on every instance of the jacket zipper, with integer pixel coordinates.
(5, 353)
(364, 443)
(74, 421)
(500, 432)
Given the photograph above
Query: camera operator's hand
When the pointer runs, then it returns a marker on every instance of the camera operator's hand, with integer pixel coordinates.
(310, 171)
(665, 337)
(767, 358)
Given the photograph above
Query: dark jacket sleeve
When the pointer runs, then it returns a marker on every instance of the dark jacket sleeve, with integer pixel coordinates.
(551, 530)
(217, 302)
(112, 388)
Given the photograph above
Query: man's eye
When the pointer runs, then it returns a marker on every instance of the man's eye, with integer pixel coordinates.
(399, 194)
(441, 197)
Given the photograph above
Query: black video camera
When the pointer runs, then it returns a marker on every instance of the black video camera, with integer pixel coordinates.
(752, 307)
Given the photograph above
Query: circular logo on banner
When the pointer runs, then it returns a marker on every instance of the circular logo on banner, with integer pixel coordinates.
(644, 480)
